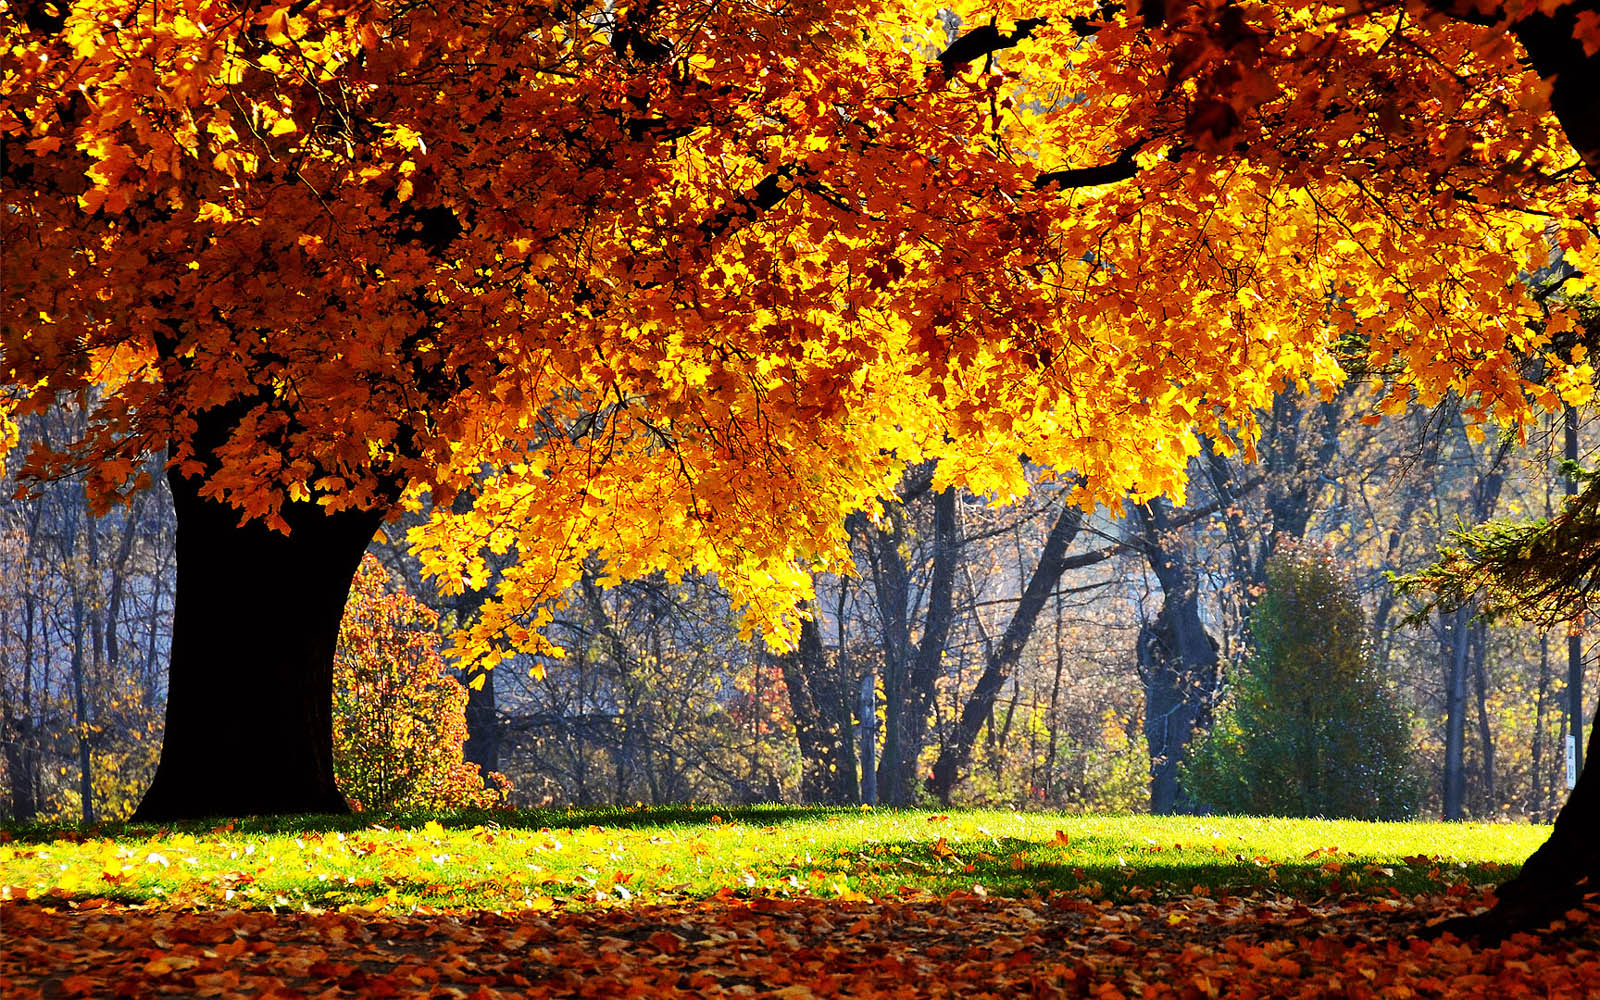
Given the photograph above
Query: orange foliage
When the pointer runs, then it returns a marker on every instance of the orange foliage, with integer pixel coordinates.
(399, 718)
(695, 279)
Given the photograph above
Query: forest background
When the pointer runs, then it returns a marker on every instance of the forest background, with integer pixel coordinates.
(992, 650)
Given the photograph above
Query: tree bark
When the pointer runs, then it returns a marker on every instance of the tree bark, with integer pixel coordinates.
(1558, 876)
(1455, 716)
(867, 712)
(250, 698)
(1178, 661)
(482, 746)
(1478, 642)
(892, 591)
(816, 694)
(928, 661)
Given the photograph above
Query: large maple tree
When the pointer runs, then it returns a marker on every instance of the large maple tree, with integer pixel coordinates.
(675, 284)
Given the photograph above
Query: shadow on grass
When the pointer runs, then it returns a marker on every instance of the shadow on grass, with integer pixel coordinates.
(609, 817)
(1106, 868)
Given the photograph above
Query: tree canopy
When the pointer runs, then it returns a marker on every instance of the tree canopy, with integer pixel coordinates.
(676, 284)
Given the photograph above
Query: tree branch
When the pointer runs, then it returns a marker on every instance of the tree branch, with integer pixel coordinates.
(984, 41)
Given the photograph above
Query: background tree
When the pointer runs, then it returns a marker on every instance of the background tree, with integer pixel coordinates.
(399, 713)
(1309, 728)
(84, 606)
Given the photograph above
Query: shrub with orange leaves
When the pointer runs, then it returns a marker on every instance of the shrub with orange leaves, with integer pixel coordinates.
(399, 713)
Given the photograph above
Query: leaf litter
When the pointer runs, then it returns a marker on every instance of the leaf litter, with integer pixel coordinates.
(1266, 945)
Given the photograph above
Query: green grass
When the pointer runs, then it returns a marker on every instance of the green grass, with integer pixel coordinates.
(543, 860)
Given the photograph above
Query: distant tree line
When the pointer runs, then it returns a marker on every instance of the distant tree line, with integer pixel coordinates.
(1030, 653)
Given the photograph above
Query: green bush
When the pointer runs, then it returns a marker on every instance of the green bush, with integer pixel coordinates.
(1308, 727)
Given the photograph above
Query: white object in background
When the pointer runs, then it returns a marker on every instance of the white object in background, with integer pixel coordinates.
(1572, 762)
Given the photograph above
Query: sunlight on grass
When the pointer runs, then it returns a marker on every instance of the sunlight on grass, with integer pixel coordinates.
(598, 858)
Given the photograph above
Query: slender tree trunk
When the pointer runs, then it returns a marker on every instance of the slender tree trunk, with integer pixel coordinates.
(1455, 716)
(927, 661)
(21, 739)
(80, 702)
(892, 592)
(868, 714)
(250, 699)
(1054, 726)
(1537, 796)
(844, 683)
(1574, 639)
(1480, 683)
(1002, 662)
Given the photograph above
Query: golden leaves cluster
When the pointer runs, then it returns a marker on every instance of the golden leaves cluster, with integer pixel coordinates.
(671, 287)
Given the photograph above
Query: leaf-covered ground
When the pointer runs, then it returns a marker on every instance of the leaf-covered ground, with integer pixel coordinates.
(789, 903)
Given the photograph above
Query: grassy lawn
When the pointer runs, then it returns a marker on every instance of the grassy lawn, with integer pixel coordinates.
(595, 859)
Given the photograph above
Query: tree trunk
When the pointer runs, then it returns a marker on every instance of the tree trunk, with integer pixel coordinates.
(1537, 798)
(827, 772)
(80, 714)
(868, 714)
(482, 746)
(1178, 662)
(21, 760)
(927, 662)
(1479, 641)
(250, 697)
(1558, 875)
(892, 590)
(1455, 716)
(1003, 661)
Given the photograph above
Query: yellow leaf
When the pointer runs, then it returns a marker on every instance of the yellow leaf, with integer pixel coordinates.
(278, 27)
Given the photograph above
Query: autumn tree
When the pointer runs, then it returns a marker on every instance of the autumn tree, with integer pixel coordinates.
(399, 714)
(696, 281)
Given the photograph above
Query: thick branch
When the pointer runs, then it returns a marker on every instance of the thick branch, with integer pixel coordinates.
(985, 41)
(1123, 168)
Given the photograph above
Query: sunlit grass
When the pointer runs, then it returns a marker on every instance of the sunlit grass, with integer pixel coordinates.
(544, 860)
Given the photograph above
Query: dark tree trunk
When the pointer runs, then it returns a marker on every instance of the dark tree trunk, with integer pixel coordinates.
(1455, 716)
(909, 673)
(928, 661)
(892, 590)
(1178, 662)
(816, 697)
(1537, 798)
(1559, 874)
(483, 724)
(21, 758)
(250, 697)
(1479, 641)
(1002, 662)
(80, 713)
